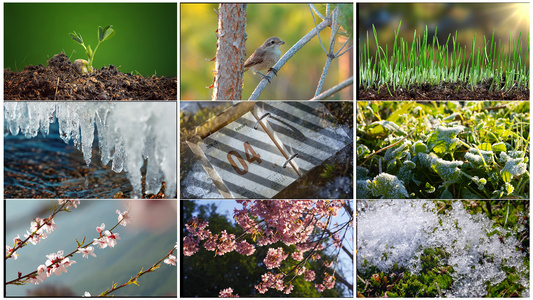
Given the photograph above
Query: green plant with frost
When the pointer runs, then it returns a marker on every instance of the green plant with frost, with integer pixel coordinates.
(475, 150)
(82, 66)
(387, 186)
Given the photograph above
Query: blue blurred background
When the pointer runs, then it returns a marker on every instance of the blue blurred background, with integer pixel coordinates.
(149, 237)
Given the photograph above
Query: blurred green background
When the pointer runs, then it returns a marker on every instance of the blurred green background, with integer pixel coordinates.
(465, 18)
(145, 39)
(298, 78)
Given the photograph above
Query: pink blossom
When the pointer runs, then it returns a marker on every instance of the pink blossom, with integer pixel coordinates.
(123, 217)
(289, 288)
(9, 250)
(101, 242)
(41, 273)
(270, 280)
(198, 228)
(35, 237)
(57, 264)
(86, 294)
(171, 260)
(111, 238)
(190, 245)
(301, 270)
(244, 248)
(274, 257)
(100, 229)
(17, 241)
(226, 243)
(309, 275)
(297, 256)
(70, 203)
(328, 283)
(34, 280)
(86, 251)
(211, 243)
(227, 293)
(49, 226)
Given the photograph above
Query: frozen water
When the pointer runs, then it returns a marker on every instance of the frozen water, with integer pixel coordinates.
(397, 231)
(129, 133)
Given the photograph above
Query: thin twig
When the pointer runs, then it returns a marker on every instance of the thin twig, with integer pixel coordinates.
(317, 12)
(334, 89)
(319, 39)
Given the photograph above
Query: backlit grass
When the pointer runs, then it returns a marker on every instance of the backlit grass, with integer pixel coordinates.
(417, 62)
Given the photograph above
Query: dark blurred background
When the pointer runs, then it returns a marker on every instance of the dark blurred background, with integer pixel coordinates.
(145, 39)
(465, 18)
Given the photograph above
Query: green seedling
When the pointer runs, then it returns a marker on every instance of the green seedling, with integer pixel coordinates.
(82, 66)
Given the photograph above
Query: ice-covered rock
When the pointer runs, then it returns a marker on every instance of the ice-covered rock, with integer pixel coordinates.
(129, 133)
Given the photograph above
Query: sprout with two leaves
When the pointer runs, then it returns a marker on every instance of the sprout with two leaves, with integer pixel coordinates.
(82, 66)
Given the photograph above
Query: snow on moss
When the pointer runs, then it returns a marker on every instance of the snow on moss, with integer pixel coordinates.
(390, 232)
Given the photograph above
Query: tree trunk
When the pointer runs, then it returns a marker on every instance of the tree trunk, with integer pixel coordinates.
(231, 51)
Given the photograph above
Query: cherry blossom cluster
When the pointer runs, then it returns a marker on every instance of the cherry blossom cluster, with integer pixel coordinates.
(292, 222)
(328, 283)
(227, 293)
(56, 264)
(270, 280)
(39, 228)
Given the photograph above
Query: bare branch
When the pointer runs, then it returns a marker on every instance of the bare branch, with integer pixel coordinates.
(334, 89)
(320, 40)
(347, 40)
(312, 6)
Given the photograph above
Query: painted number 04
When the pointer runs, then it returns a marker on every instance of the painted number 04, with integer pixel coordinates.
(251, 156)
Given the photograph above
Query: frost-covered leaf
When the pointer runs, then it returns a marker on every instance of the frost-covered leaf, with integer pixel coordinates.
(405, 174)
(379, 127)
(397, 152)
(513, 167)
(419, 146)
(444, 139)
(362, 190)
(447, 170)
(362, 151)
(387, 186)
(475, 159)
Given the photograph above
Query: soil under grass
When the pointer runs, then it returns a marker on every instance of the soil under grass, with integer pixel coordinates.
(59, 81)
(444, 91)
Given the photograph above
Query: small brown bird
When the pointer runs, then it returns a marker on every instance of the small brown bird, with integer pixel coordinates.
(265, 57)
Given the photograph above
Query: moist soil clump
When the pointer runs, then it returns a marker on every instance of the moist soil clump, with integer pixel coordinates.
(444, 91)
(60, 81)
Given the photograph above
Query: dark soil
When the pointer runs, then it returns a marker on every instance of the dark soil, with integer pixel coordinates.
(59, 81)
(444, 91)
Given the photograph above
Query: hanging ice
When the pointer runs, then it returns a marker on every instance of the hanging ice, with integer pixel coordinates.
(128, 134)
